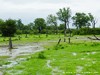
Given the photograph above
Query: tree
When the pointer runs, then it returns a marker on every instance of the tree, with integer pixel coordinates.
(40, 24)
(52, 20)
(93, 21)
(30, 26)
(8, 28)
(1, 23)
(64, 16)
(81, 20)
(61, 27)
(19, 24)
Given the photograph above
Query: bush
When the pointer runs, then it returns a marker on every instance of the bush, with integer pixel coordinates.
(86, 31)
(18, 32)
(41, 55)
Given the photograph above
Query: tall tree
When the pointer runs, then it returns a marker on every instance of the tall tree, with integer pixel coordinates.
(64, 16)
(8, 28)
(52, 20)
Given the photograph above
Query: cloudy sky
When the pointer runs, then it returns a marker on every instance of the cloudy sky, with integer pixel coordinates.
(28, 10)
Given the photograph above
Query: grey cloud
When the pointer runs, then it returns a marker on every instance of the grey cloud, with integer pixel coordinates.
(28, 10)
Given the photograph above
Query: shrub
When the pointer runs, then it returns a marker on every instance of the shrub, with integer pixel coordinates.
(41, 55)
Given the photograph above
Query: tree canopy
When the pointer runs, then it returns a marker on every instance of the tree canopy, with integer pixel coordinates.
(8, 28)
(81, 20)
(64, 16)
(40, 23)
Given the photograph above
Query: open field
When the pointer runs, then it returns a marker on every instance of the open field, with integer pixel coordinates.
(80, 57)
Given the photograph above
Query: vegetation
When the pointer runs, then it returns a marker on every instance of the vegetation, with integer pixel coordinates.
(64, 15)
(75, 58)
(51, 25)
(52, 20)
(78, 56)
(8, 28)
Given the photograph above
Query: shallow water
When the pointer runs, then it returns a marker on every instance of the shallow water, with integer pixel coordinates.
(18, 51)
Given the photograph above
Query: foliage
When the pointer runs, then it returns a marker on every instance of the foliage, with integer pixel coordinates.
(86, 31)
(84, 55)
(19, 24)
(19, 32)
(81, 20)
(52, 20)
(8, 28)
(41, 55)
(1, 23)
(40, 24)
(64, 16)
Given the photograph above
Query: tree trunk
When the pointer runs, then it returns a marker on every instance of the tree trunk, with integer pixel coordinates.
(65, 33)
(26, 35)
(10, 43)
(69, 40)
(69, 29)
(59, 41)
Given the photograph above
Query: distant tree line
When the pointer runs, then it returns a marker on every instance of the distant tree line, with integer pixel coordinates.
(84, 24)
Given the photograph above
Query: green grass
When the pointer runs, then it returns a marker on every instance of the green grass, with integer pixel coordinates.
(68, 59)
(29, 39)
(3, 60)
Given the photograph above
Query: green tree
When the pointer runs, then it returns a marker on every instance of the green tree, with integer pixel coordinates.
(93, 21)
(81, 20)
(8, 28)
(61, 27)
(30, 26)
(52, 20)
(64, 16)
(19, 24)
(40, 24)
(1, 23)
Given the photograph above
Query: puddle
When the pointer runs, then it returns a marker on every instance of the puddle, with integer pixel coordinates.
(82, 58)
(74, 54)
(78, 70)
(17, 72)
(93, 53)
(55, 71)
(48, 64)
(18, 51)
(93, 62)
(88, 53)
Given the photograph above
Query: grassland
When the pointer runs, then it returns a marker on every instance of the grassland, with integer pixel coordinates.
(80, 57)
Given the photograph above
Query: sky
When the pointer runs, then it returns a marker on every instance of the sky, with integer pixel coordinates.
(28, 10)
